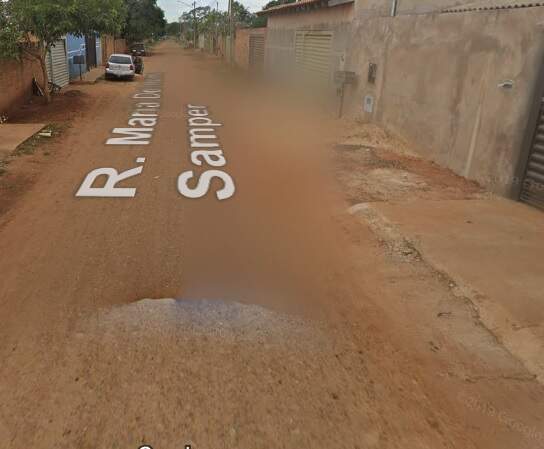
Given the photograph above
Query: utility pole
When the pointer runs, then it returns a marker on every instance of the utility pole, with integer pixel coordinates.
(194, 19)
(216, 34)
(231, 31)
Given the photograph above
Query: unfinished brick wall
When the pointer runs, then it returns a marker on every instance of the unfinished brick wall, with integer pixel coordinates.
(120, 46)
(107, 44)
(241, 47)
(16, 82)
(111, 45)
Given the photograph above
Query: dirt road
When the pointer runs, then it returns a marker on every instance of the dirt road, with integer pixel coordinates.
(291, 326)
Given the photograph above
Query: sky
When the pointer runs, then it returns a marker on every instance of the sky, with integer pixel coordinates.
(173, 9)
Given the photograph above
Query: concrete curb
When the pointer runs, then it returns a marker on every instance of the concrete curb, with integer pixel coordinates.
(522, 344)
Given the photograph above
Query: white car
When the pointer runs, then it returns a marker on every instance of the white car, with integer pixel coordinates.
(120, 66)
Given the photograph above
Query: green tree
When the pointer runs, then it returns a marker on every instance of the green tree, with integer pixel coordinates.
(145, 20)
(261, 21)
(196, 20)
(172, 29)
(9, 32)
(272, 3)
(211, 21)
(31, 27)
(242, 17)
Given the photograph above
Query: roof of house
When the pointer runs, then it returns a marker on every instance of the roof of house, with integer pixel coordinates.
(303, 5)
(495, 5)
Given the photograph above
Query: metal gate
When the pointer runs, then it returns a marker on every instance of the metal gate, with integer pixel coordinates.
(313, 56)
(57, 64)
(90, 51)
(256, 51)
(532, 191)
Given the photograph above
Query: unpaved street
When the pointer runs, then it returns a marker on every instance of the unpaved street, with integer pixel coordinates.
(270, 319)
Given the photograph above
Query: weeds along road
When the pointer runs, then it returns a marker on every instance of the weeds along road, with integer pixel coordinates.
(286, 330)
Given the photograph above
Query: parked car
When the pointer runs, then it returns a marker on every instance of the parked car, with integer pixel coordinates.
(138, 65)
(120, 66)
(138, 49)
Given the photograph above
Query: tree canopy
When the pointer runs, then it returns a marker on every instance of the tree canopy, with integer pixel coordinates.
(49, 20)
(31, 27)
(144, 20)
(172, 29)
(217, 22)
(272, 3)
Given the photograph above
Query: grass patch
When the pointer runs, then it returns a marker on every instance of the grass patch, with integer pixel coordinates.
(29, 146)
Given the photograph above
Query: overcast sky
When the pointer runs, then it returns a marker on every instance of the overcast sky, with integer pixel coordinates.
(173, 9)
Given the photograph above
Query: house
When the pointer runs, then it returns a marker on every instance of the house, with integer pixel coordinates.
(308, 39)
(462, 80)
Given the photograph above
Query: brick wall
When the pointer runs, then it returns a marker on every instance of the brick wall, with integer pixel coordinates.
(241, 47)
(110, 46)
(107, 43)
(16, 82)
(120, 46)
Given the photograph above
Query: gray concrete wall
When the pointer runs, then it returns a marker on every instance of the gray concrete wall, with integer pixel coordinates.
(438, 85)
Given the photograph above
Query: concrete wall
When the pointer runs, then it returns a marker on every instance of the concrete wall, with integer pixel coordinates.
(438, 85)
(222, 46)
(280, 38)
(16, 82)
(374, 8)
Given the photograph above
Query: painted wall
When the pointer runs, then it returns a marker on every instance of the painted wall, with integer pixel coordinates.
(438, 83)
(16, 82)
(98, 51)
(76, 47)
(280, 37)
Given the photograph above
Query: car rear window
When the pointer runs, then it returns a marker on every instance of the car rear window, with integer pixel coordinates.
(121, 60)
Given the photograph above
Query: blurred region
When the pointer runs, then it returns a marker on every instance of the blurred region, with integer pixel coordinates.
(277, 241)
